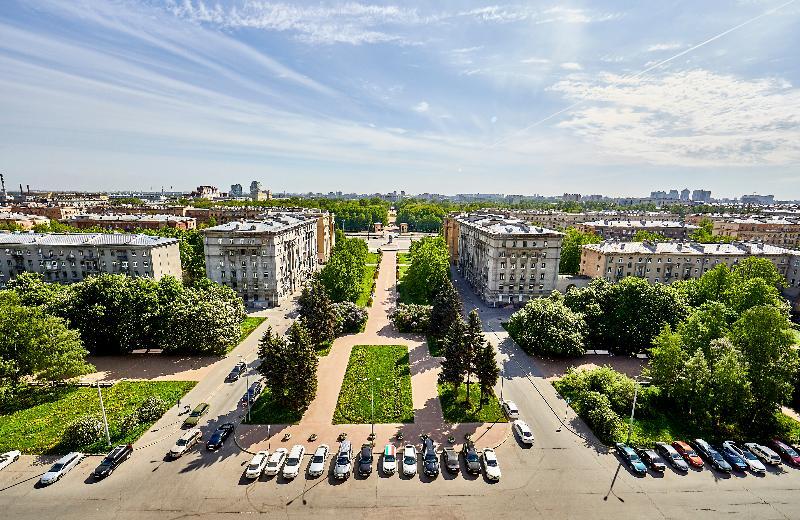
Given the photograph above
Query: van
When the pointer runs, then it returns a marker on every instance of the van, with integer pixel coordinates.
(344, 461)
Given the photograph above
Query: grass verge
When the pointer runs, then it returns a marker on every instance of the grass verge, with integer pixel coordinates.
(403, 258)
(249, 324)
(266, 411)
(367, 282)
(456, 410)
(387, 366)
(324, 349)
(36, 419)
(372, 258)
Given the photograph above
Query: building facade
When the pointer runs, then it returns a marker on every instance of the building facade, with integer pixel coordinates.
(129, 223)
(666, 262)
(451, 235)
(777, 231)
(71, 257)
(507, 261)
(265, 261)
(45, 210)
(626, 229)
(22, 221)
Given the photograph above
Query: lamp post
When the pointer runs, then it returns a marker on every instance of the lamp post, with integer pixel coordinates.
(103, 408)
(636, 383)
(372, 403)
(246, 382)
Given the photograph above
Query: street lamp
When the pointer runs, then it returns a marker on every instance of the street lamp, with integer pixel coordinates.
(103, 408)
(633, 406)
(246, 382)
(372, 402)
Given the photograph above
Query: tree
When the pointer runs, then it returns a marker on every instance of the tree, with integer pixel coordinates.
(648, 236)
(711, 286)
(486, 369)
(454, 364)
(447, 309)
(275, 363)
(667, 360)
(473, 343)
(343, 273)
(301, 379)
(317, 313)
(705, 234)
(692, 386)
(547, 327)
(35, 344)
(590, 302)
(708, 322)
(729, 384)
(755, 267)
(429, 269)
(571, 248)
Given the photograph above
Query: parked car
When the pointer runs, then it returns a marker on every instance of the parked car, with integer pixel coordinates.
(292, 466)
(764, 454)
(257, 464)
(365, 460)
(471, 458)
(237, 371)
(787, 452)
(253, 392)
(344, 461)
(688, 454)
(712, 456)
(389, 459)
(523, 431)
(61, 467)
(450, 457)
(651, 459)
(430, 461)
(114, 458)
(747, 456)
(194, 417)
(185, 443)
(9, 457)
(409, 460)
(733, 457)
(672, 456)
(217, 438)
(629, 456)
(510, 409)
(317, 466)
(490, 466)
(275, 462)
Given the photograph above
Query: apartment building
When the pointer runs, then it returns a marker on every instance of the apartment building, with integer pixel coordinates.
(665, 262)
(507, 260)
(451, 234)
(626, 229)
(777, 231)
(53, 212)
(131, 222)
(266, 260)
(71, 257)
(21, 221)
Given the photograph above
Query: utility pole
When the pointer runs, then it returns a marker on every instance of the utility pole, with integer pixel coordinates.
(372, 402)
(633, 406)
(103, 408)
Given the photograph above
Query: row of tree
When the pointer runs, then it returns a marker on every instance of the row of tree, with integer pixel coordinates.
(429, 271)
(343, 274)
(423, 217)
(468, 354)
(289, 365)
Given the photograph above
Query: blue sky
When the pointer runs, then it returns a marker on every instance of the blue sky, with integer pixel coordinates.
(536, 97)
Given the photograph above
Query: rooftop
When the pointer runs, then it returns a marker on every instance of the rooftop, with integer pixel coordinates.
(641, 224)
(500, 225)
(688, 248)
(129, 218)
(83, 239)
(268, 224)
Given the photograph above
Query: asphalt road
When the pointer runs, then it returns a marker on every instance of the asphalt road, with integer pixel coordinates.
(566, 474)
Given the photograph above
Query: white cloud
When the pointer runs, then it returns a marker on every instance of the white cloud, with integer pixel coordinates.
(571, 65)
(670, 46)
(689, 118)
(518, 13)
(537, 61)
(421, 107)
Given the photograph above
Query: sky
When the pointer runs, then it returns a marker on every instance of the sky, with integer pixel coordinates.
(615, 97)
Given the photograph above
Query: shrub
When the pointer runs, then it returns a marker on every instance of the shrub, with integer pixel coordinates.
(151, 409)
(411, 317)
(547, 327)
(130, 422)
(598, 413)
(83, 431)
(350, 317)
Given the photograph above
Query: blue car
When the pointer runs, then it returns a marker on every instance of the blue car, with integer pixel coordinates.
(631, 458)
(711, 456)
(733, 458)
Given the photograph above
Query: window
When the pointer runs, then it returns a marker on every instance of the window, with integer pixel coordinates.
(222, 274)
(135, 264)
(542, 277)
(544, 265)
(266, 275)
(502, 276)
(502, 265)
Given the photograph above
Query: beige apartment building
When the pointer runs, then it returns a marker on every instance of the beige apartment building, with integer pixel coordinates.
(53, 212)
(71, 257)
(626, 229)
(777, 231)
(507, 261)
(127, 222)
(665, 262)
(22, 221)
(451, 232)
(266, 260)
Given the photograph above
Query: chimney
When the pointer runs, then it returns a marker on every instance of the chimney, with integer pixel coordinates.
(28, 186)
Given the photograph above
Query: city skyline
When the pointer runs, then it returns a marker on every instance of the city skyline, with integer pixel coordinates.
(356, 97)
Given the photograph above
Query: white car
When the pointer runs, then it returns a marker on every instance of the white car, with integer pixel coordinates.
(766, 455)
(490, 465)
(523, 431)
(389, 459)
(61, 467)
(292, 467)
(410, 460)
(9, 457)
(749, 458)
(257, 464)
(185, 443)
(276, 461)
(510, 409)
(317, 466)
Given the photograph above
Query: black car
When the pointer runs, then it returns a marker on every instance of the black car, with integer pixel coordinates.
(365, 460)
(253, 392)
(471, 458)
(732, 457)
(651, 459)
(430, 461)
(450, 460)
(116, 457)
(218, 437)
(237, 371)
(711, 456)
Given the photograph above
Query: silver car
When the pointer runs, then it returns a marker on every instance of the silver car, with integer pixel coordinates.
(767, 455)
(61, 467)
(747, 456)
(344, 461)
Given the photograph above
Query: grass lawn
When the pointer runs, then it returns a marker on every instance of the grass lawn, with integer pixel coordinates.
(372, 258)
(403, 258)
(266, 411)
(36, 419)
(393, 404)
(249, 324)
(324, 349)
(456, 411)
(435, 347)
(366, 285)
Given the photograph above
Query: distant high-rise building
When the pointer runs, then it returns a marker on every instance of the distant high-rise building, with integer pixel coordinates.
(236, 191)
(685, 194)
(673, 195)
(758, 199)
(571, 197)
(701, 196)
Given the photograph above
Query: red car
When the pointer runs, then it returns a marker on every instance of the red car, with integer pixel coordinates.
(688, 453)
(788, 453)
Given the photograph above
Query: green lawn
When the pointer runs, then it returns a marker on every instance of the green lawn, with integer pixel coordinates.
(266, 411)
(324, 349)
(456, 411)
(403, 258)
(372, 258)
(435, 347)
(36, 419)
(249, 324)
(387, 366)
(366, 285)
